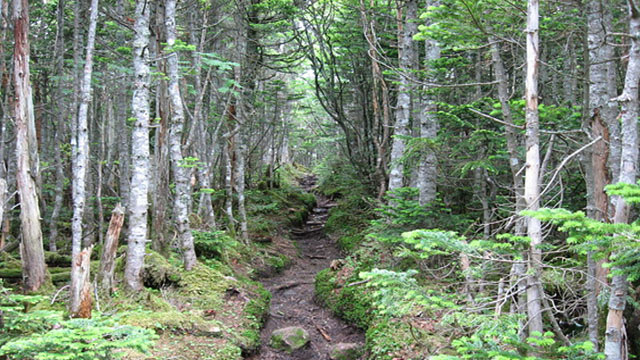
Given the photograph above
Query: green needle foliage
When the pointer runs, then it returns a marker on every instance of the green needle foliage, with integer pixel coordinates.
(46, 335)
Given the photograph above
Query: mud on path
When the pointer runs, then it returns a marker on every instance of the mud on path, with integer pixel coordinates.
(293, 302)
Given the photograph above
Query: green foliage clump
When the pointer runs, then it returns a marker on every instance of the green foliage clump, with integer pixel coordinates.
(80, 339)
(46, 335)
(214, 244)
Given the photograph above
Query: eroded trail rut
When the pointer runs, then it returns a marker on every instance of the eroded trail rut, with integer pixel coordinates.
(293, 302)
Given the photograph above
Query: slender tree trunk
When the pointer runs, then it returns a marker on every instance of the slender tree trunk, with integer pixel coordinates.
(34, 270)
(531, 185)
(3, 194)
(615, 347)
(406, 55)
(139, 189)
(381, 117)
(60, 130)
(427, 169)
(182, 196)
(80, 149)
(240, 184)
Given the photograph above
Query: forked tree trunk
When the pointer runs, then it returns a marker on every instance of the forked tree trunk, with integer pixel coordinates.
(107, 259)
(181, 173)
(615, 346)
(34, 269)
(139, 186)
(80, 147)
(531, 185)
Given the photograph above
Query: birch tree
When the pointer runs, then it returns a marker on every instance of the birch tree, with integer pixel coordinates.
(406, 54)
(139, 186)
(531, 183)
(182, 196)
(427, 169)
(615, 347)
(80, 294)
(34, 270)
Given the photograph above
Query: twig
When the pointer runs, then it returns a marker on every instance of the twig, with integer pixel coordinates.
(565, 161)
(58, 293)
(357, 283)
(322, 332)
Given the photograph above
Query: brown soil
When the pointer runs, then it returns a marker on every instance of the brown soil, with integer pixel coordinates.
(293, 302)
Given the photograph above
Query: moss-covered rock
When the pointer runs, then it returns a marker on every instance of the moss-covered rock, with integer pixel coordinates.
(289, 339)
(158, 272)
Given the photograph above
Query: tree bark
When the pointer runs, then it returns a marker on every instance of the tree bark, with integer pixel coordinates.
(427, 169)
(81, 292)
(34, 269)
(59, 132)
(109, 249)
(182, 196)
(406, 55)
(139, 186)
(532, 186)
(80, 149)
(615, 347)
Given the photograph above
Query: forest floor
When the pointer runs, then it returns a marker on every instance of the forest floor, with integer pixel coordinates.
(293, 301)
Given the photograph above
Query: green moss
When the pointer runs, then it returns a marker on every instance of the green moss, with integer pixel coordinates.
(158, 272)
(161, 321)
(203, 286)
(352, 303)
(279, 262)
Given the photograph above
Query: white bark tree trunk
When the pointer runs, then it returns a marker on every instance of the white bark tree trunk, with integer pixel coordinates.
(531, 184)
(615, 346)
(427, 169)
(80, 152)
(406, 55)
(34, 269)
(182, 198)
(139, 186)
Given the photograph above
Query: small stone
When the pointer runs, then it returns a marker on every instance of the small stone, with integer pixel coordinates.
(289, 339)
(208, 330)
(345, 351)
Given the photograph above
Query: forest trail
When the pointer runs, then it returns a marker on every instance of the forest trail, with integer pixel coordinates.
(293, 302)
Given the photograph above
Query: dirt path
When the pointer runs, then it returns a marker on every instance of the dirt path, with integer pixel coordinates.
(293, 302)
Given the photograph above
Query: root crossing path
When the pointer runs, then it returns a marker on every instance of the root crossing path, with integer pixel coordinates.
(293, 302)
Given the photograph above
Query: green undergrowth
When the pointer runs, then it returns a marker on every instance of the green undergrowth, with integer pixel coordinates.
(214, 311)
(402, 282)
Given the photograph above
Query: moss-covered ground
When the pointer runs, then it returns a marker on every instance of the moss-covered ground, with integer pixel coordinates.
(216, 310)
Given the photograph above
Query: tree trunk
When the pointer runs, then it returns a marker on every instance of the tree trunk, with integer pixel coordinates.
(182, 196)
(81, 292)
(532, 186)
(3, 194)
(615, 347)
(427, 169)
(406, 55)
(139, 186)
(59, 132)
(600, 113)
(80, 149)
(109, 249)
(34, 269)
